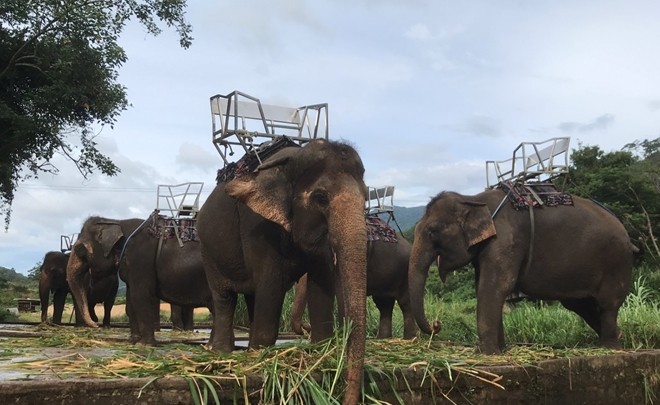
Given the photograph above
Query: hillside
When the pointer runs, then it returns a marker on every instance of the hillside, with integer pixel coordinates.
(407, 217)
(12, 275)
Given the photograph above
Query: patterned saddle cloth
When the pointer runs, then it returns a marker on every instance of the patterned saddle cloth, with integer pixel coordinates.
(527, 195)
(167, 228)
(377, 229)
(249, 162)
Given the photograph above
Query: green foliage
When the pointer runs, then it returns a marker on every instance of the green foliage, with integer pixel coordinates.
(639, 318)
(59, 64)
(14, 285)
(626, 182)
(551, 325)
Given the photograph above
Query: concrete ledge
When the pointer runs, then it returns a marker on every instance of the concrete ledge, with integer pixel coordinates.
(632, 378)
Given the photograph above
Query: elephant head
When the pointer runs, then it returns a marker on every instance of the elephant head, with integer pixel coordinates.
(450, 227)
(94, 253)
(316, 194)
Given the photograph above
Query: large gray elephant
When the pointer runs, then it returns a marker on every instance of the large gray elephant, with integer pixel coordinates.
(387, 283)
(53, 279)
(579, 254)
(301, 211)
(154, 266)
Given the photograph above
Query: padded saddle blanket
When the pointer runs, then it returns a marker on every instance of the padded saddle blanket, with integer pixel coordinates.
(377, 229)
(249, 162)
(521, 195)
(166, 227)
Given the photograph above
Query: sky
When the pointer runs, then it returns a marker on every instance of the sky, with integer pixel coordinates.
(426, 91)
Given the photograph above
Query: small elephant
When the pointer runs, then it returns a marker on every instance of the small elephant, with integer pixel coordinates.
(301, 211)
(387, 282)
(53, 279)
(578, 254)
(154, 268)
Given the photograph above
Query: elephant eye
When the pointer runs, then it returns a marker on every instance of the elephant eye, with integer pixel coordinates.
(321, 197)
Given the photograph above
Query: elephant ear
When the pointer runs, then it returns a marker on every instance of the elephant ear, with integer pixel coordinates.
(267, 192)
(108, 236)
(478, 225)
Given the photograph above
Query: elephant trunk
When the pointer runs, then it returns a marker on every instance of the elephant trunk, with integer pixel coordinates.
(76, 270)
(418, 270)
(298, 307)
(348, 239)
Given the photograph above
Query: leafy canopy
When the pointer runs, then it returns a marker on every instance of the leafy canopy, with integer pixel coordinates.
(59, 62)
(628, 183)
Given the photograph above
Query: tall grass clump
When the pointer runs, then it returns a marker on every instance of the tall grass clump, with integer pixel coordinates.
(639, 317)
(551, 325)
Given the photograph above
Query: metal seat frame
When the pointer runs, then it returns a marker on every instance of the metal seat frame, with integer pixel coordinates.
(239, 119)
(67, 241)
(179, 202)
(380, 201)
(531, 162)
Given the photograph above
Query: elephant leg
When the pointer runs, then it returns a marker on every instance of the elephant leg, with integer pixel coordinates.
(320, 304)
(587, 309)
(92, 312)
(609, 331)
(143, 315)
(492, 290)
(268, 301)
(602, 320)
(176, 316)
(187, 317)
(59, 298)
(107, 310)
(132, 317)
(147, 310)
(409, 325)
(385, 306)
(222, 333)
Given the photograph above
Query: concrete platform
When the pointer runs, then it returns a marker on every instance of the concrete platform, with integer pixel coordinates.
(619, 378)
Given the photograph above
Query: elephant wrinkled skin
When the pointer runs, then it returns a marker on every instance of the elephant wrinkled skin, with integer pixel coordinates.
(581, 255)
(300, 212)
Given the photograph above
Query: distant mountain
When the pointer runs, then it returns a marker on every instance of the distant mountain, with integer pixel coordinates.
(407, 217)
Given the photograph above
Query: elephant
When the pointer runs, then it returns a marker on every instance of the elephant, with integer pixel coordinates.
(153, 267)
(300, 211)
(577, 253)
(53, 279)
(387, 282)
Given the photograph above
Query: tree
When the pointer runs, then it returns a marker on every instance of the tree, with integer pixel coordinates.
(626, 182)
(59, 62)
(35, 272)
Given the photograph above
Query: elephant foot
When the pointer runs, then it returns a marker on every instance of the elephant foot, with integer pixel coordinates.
(612, 344)
(146, 342)
(486, 348)
(222, 347)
